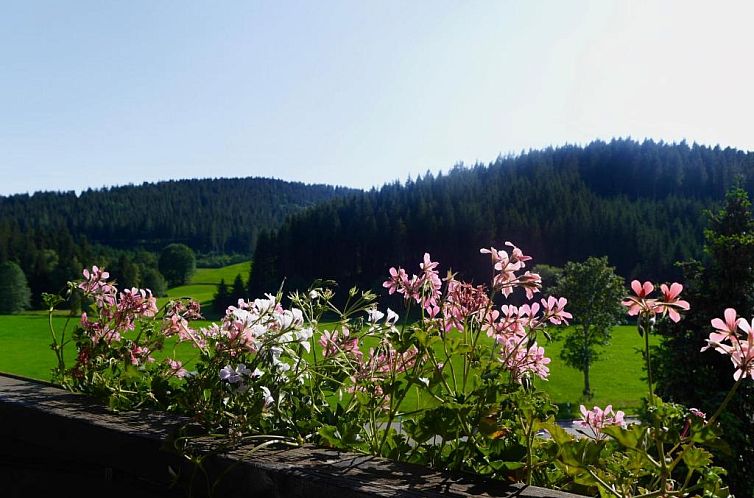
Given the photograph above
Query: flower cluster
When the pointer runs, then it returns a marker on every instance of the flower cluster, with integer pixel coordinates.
(253, 326)
(116, 312)
(596, 419)
(506, 266)
(118, 333)
(340, 341)
(520, 360)
(424, 288)
(641, 304)
(464, 302)
(734, 337)
(464, 305)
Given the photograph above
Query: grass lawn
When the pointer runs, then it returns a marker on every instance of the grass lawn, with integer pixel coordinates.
(615, 379)
(203, 285)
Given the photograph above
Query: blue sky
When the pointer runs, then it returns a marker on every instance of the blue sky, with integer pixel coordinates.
(354, 93)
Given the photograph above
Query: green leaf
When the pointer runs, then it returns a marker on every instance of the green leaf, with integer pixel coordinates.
(557, 433)
(696, 458)
(632, 437)
(329, 435)
(704, 435)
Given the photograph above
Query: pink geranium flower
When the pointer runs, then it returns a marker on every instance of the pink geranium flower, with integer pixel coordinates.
(727, 339)
(725, 328)
(671, 301)
(176, 368)
(641, 304)
(596, 419)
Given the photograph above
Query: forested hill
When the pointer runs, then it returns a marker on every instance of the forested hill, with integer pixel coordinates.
(52, 235)
(641, 204)
(220, 215)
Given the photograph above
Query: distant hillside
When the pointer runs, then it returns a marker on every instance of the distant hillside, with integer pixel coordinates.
(641, 204)
(51, 235)
(217, 215)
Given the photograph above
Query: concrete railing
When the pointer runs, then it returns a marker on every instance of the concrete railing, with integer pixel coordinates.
(54, 443)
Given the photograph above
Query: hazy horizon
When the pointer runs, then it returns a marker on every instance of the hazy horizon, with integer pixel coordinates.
(409, 176)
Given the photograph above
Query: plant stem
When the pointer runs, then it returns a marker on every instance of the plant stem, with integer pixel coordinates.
(725, 402)
(603, 483)
(646, 332)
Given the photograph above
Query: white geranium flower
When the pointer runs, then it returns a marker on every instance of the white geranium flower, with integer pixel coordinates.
(375, 315)
(267, 395)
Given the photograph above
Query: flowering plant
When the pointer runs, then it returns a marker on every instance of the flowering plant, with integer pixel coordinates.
(451, 384)
(665, 454)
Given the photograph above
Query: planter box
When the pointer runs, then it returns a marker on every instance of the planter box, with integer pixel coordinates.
(62, 444)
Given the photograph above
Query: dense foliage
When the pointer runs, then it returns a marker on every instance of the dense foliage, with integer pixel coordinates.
(52, 235)
(593, 291)
(14, 291)
(688, 375)
(177, 264)
(639, 204)
(453, 390)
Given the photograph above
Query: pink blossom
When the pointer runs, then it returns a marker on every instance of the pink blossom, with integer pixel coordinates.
(176, 368)
(638, 303)
(139, 355)
(698, 413)
(430, 286)
(464, 303)
(98, 331)
(176, 324)
(97, 286)
(516, 254)
(397, 282)
(531, 282)
(670, 301)
(424, 289)
(385, 360)
(596, 419)
(509, 321)
(742, 354)
(505, 279)
(555, 310)
(727, 340)
(520, 360)
(506, 266)
(669, 305)
(134, 303)
(726, 328)
(336, 342)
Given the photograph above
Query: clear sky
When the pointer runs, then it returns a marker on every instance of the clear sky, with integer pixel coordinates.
(358, 92)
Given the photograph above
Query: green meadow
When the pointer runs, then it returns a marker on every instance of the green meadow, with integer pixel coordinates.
(203, 285)
(616, 379)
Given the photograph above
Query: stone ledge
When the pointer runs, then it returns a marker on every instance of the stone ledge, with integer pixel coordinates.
(53, 441)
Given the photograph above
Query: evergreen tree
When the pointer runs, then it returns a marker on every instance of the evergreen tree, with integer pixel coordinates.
(701, 379)
(14, 291)
(238, 291)
(222, 298)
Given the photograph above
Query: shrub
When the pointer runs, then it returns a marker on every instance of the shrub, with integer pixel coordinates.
(14, 290)
(177, 264)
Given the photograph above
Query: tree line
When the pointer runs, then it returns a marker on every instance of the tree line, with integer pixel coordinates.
(639, 203)
(51, 236)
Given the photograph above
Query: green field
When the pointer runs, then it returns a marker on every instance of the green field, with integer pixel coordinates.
(616, 379)
(203, 285)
